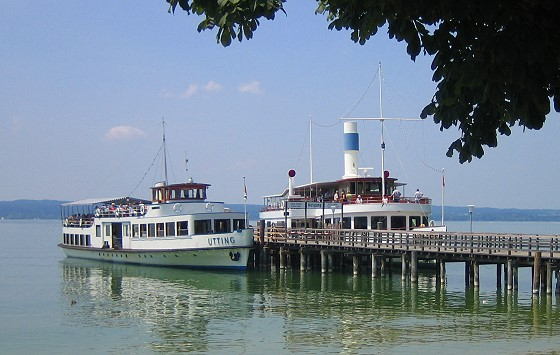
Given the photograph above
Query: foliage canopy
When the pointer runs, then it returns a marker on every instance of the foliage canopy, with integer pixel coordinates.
(496, 63)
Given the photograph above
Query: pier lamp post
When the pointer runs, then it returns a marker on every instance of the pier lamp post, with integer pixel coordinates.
(471, 210)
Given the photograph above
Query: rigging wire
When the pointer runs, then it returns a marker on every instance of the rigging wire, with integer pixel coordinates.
(147, 171)
(349, 111)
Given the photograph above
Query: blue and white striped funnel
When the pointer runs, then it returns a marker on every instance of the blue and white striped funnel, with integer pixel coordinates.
(351, 149)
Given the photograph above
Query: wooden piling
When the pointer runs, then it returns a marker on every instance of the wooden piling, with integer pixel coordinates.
(302, 260)
(282, 255)
(414, 266)
(515, 277)
(509, 282)
(536, 272)
(442, 271)
(557, 281)
(548, 278)
(374, 266)
(467, 273)
(543, 277)
(475, 274)
(324, 261)
(329, 262)
(355, 264)
(383, 266)
(288, 259)
(498, 276)
(403, 266)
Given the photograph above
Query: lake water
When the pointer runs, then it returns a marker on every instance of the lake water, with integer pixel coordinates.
(50, 304)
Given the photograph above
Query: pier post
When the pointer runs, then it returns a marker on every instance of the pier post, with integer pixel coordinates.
(323, 261)
(442, 271)
(403, 266)
(557, 281)
(355, 264)
(543, 277)
(498, 276)
(467, 273)
(536, 272)
(329, 262)
(509, 275)
(288, 259)
(282, 255)
(374, 266)
(264, 256)
(383, 266)
(308, 261)
(475, 274)
(516, 277)
(548, 278)
(414, 266)
(302, 260)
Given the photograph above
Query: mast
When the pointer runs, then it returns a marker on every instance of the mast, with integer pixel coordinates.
(164, 151)
(442, 196)
(310, 150)
(382, 133)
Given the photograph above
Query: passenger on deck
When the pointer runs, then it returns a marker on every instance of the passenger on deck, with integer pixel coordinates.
(335, 197)
(396, 195)
(359, 199)
(418, 196)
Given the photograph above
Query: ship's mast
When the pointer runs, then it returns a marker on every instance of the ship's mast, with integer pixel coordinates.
(164, 151)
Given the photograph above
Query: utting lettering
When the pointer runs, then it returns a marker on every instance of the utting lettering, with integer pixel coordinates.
(221, 241)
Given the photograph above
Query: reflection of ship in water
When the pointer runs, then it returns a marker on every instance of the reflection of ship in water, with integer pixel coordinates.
(176, 306)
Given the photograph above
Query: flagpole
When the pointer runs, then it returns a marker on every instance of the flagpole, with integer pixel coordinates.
(245, 201)
(442, 196)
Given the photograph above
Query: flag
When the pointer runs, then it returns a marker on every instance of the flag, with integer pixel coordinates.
(245, 189)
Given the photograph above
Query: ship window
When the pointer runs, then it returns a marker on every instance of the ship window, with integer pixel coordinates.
(135, 230)
(182, 228)
(222, 225)
(160, 228)
(82, 241)
(126, 230)
(379, 222)
(151, 230)
(398, 222)
(107, 230)
(88, 240)
(238, 224)
(346, 223)
(98, 231)
(360, 222)
(143, 230)
(170, 229)
(414, 221)
(203, 226)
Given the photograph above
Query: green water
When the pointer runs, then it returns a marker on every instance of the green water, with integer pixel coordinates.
(49, 304)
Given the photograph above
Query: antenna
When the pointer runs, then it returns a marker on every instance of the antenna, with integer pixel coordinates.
(164, 150)
(382, 120)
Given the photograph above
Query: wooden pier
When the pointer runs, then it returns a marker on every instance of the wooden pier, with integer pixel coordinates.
(375, 251)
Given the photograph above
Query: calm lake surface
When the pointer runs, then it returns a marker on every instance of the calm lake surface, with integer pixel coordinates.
(50, 304)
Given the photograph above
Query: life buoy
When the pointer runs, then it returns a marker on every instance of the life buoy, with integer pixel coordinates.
(97, 212)
(142, 209)
(177, 207)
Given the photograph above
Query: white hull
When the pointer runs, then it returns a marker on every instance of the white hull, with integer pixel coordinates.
(223, 258)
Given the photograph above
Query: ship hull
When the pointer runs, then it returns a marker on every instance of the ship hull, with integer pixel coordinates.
(210, 258)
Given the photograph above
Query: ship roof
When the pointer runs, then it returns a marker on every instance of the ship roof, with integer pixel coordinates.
(106, 200)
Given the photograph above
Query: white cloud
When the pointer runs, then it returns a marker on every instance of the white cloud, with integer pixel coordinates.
(253, 87)
(124, 132)
(213, 86)
(191, 90)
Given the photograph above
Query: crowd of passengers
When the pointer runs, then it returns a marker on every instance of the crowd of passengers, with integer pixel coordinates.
(124, 210)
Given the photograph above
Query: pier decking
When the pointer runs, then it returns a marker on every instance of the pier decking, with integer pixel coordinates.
(373, 250)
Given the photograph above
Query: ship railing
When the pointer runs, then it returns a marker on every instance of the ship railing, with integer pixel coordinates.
(499, 244)
(120, 211)
(78, 221)
(355, 201)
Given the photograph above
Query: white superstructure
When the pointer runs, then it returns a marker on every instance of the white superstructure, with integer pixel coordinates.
(354, 202)
(179, 227)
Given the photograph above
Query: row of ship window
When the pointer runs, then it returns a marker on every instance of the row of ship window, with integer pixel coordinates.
(176, 229)
(397, 222)
(77, 239)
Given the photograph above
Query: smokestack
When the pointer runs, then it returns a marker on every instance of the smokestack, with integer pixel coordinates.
(351, 148)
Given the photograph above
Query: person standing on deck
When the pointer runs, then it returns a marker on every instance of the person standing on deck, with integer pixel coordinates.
(418, 195)
(396, 195)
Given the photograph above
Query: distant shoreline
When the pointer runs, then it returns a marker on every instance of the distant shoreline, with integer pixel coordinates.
(50, 210)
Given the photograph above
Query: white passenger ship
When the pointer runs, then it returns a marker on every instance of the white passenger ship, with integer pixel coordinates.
(178, 227)
(353, 202)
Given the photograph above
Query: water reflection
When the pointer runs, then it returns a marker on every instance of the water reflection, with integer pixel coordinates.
(292, 311)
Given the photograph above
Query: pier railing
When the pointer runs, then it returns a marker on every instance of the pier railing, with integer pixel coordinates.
(489, 244)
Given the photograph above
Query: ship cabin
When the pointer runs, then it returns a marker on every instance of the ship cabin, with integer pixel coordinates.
(360, 190)
(189, 191)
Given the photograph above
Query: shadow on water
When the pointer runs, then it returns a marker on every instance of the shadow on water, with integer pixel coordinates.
(211, 311)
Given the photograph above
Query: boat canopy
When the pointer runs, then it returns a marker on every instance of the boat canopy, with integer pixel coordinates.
(107, 201)
(188, 191)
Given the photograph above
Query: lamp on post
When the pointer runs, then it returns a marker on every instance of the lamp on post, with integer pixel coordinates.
(471, 210)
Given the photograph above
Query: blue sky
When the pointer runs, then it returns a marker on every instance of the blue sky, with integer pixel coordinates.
(84, 86)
